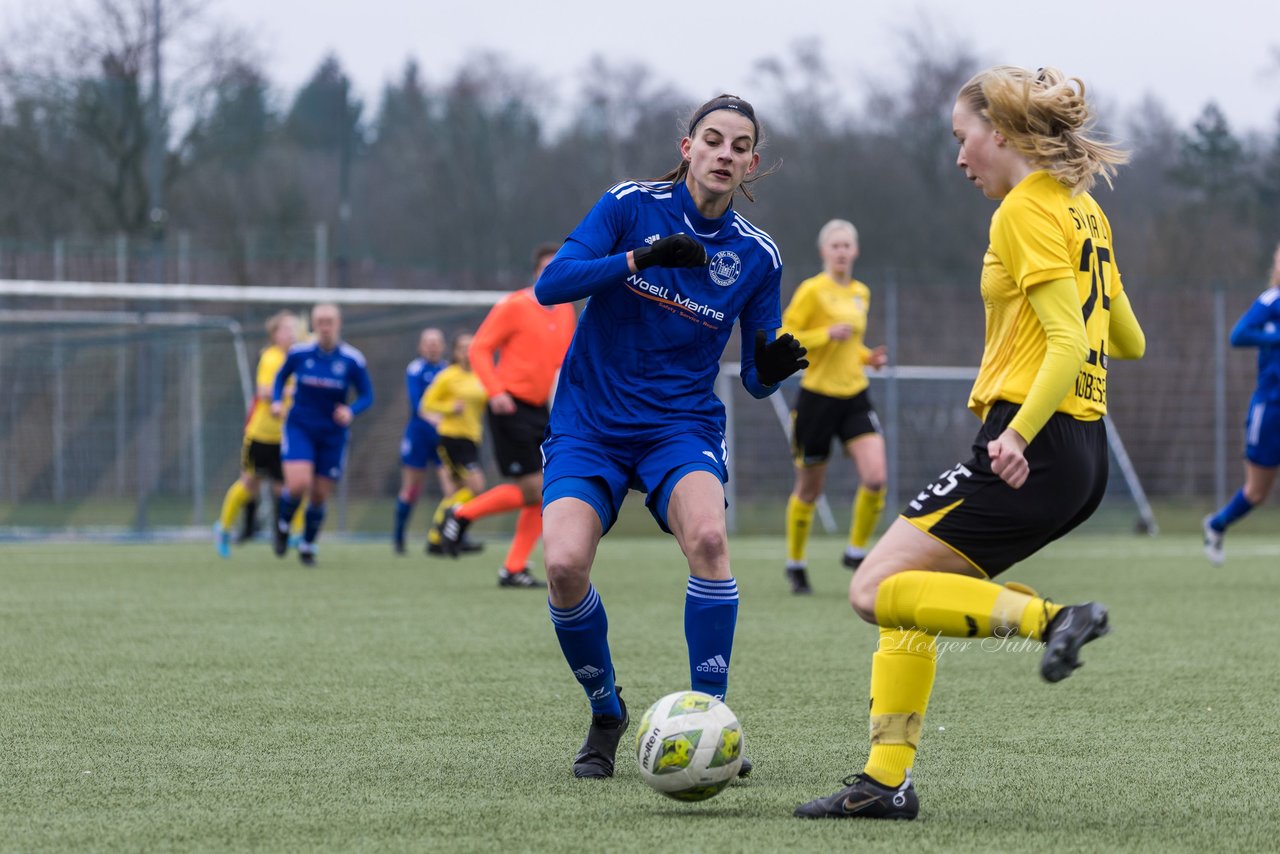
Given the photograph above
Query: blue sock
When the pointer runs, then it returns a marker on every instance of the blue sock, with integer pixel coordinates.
(286, 506)
(710, 615)
(311, 522)
(583, 632)
(1234, 510)
(403, 509)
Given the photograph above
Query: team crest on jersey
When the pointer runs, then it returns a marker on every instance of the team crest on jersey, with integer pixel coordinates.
(340, 368)
(726, 266)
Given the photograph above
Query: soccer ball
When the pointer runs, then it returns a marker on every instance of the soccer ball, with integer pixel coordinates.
(689, 746)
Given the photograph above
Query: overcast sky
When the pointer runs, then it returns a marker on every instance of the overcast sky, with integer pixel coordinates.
(1185, 53)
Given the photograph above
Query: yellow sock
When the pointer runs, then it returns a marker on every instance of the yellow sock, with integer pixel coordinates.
(458, 497)
(299, 519)
(799, 521)
(237, 497)
(867, 507)
(902, 673)
(960, 606)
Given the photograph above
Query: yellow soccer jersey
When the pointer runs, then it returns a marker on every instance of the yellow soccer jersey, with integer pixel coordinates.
(451, 385)
(262, 426)
(1041, 233)
(835, 367)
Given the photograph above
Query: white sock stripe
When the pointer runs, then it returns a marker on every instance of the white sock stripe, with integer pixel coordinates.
(564, 616)
(701, 588)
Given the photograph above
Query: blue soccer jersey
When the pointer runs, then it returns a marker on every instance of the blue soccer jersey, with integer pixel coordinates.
(1260, 327)
(646, 353)
(326, 379)
(417, 377)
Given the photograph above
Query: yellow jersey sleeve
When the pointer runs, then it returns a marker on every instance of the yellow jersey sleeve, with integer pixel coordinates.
(450, 386)
(1041, 234)
(836, 368)
(262, 426)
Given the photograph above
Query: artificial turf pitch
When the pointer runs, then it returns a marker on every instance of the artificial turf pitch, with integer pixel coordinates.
(155, 697)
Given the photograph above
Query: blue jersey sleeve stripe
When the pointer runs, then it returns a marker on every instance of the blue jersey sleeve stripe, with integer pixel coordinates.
(766, 244)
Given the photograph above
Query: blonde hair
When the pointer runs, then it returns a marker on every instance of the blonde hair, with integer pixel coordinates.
(274, 321)
(833, 226)
(1043, 115)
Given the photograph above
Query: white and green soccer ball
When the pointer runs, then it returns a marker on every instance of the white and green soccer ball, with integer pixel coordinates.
(689, 746)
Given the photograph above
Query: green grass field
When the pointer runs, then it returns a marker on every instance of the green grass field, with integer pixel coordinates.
(157, 698)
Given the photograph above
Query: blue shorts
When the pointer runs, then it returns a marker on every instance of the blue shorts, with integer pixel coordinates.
(1262, 433)
(327, 448)
(418, 447)
(600, 474)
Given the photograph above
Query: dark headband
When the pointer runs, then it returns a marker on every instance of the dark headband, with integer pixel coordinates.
(736, 104)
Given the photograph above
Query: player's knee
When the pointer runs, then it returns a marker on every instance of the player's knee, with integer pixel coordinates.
(874, 484)
(567, 573)
(706, 543)
(862, 596)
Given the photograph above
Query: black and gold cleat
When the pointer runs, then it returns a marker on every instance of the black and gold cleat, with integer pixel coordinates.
(595, 759)
(863, 797)
(1071, 628)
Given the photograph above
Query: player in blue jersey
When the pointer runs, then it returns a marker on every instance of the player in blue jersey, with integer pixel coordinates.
(669, 266)
(1259, 327)
(418, 445)
(315, 431)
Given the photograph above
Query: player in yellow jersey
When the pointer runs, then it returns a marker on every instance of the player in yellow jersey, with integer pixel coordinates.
(1056, 312)
(828, 316)
(454, 403)
(260, 455)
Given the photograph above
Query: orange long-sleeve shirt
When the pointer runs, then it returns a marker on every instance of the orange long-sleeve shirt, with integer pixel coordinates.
(529, 341)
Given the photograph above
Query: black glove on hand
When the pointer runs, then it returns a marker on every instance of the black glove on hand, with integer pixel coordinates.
(676, 250)
(780, 359)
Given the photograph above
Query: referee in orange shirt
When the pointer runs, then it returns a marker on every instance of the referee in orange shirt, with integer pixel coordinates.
(516, 353)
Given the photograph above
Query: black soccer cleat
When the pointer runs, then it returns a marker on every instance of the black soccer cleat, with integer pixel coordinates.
(863, 797)
(398, 546)
(851, 561)
(595, 759)
(436, 549)
(279, 540)
(1072, 627)
(746, 768)
(307, 553)
(470, 546)
(523, 578)
(452, 530)
(798, 579)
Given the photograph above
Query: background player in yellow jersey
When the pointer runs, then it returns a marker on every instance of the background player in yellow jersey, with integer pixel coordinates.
(455, 403)
(828, 316)
(260, 455)
(1055, 311)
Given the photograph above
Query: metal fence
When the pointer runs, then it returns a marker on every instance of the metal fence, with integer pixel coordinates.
(135, 424)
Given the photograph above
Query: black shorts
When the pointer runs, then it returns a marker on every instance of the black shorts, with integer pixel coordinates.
(993, 525)
(262, 460)
(517, 438)
(819, 419)
(459, 455)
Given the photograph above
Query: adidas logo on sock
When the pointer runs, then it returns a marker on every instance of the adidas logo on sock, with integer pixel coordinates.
(588, 672)
(714, 665)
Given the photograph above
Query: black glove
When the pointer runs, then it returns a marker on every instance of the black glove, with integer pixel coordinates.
(676, 250)
(779, 359)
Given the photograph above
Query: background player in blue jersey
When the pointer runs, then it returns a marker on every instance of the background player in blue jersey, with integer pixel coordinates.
(315, 431)
(1259, 327)
(418, 445)
(668, 265)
